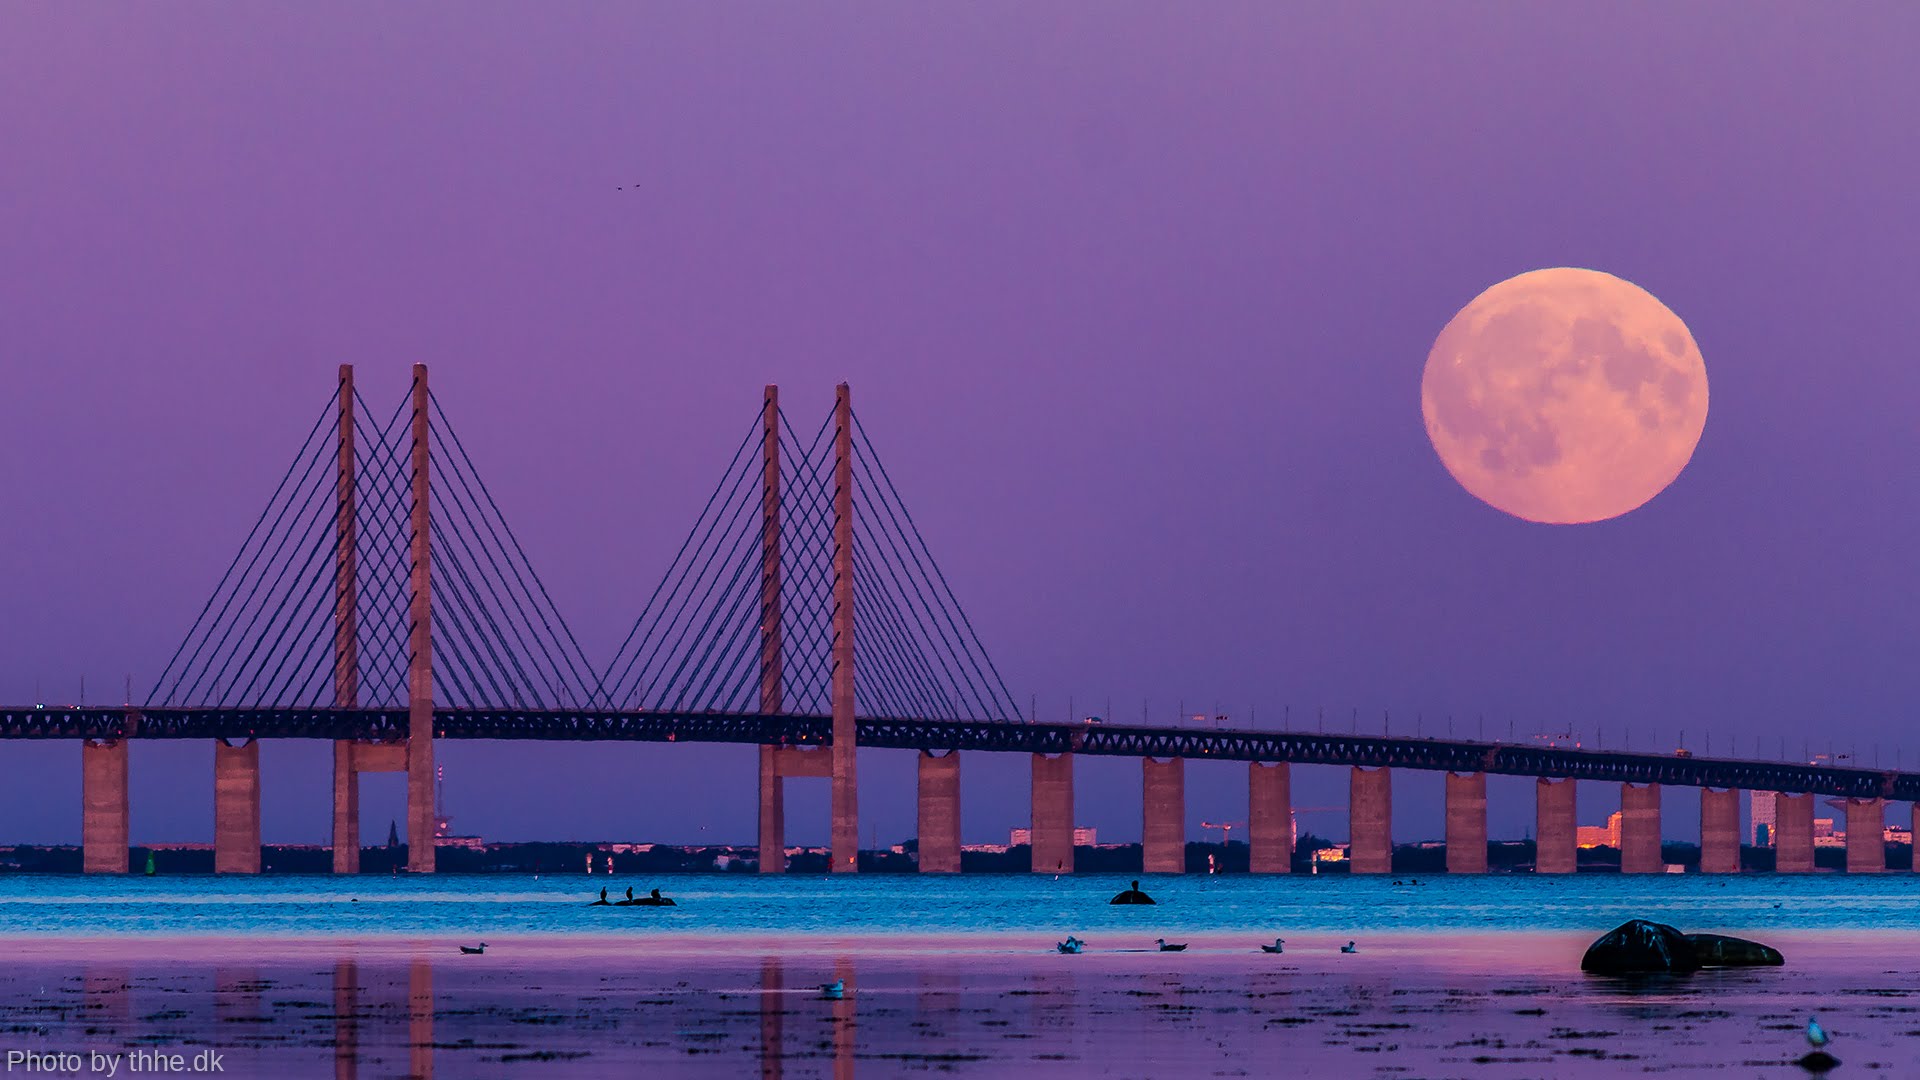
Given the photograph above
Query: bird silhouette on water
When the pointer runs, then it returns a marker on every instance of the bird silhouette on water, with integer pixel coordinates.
(1349, 947)
(1164, 947)
(474, 950)
(1279, 945)
(834, 990)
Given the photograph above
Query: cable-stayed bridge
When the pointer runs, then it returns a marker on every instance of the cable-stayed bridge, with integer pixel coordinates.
(381, 593)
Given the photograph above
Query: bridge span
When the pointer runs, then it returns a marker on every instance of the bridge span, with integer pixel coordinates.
(382, 592)
(384, 734)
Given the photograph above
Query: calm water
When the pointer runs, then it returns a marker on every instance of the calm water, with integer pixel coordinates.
(874, 904)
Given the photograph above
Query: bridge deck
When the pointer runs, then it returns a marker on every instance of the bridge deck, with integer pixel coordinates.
(1122, 740)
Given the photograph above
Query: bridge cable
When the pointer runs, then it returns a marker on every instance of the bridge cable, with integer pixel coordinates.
(614, 692)
(880, 465)
(299, 456)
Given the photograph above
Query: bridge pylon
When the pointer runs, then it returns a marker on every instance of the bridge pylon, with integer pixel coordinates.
(846, 791)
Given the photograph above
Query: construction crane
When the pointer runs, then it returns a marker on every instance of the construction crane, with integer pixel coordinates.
(1226, 828)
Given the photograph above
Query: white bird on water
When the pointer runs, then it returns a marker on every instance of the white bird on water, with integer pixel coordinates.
(1816, 1035)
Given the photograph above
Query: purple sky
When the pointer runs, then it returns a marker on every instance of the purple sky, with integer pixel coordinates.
(1134, 300)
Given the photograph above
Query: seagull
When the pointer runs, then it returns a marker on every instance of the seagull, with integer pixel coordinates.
(1279, 945)
(1164, 947)
(834, 990)
(474, 950)
(1349, 947)
(1071, 945)
(1816, 1035)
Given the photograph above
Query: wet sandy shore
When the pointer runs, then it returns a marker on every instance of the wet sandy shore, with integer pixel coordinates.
(1462, 1005)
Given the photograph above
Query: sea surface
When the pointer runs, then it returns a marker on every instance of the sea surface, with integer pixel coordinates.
(732, 905)
(1470, 977)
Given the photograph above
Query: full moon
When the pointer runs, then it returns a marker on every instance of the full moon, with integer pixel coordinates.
(1565, 396)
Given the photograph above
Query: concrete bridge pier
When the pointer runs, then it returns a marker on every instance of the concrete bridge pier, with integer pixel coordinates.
(1163, 799)
(1053, 814)
(1719, 831)
(1556, 848)
(777, 763)
(1270, 818)
(103, 802)
(1370, 843)
(1466, 823)
(939, 824)
(1640, 829)
(350, 759)
(346, 809)
(773, 814)
(236, 807)
(1866, 836)
(1793, 834)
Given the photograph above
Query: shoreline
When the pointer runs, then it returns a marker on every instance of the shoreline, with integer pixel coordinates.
(1532, 950)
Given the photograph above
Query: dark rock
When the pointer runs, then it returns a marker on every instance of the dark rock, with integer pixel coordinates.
(1715, 950)
(1132, 896)
(1640, 946)
(1818, 1062)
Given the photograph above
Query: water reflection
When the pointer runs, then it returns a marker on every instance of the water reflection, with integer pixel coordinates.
(346, 1018)
(375, 1012)
(778, 1000)
(420, 1018)
(843, 1023)
(237, 995)
(108, 994)
(773, 1011)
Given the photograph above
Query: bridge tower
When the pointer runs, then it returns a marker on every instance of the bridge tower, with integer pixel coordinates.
(414, 755)
(773, 812)
(346, 639)
(420, 822)
(846, 795)
(839, 763)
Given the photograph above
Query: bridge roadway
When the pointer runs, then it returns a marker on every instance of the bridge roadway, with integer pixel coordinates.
(1114, 740)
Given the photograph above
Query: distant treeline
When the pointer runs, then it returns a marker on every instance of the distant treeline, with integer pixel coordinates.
(571, 858)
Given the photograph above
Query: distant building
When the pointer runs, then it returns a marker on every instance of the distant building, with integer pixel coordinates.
(1593, 836)
(1825, 835)
(1896, 834)
(1330, 854)
(1763, 808)
(1083, 836)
